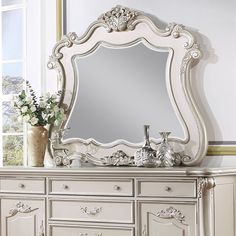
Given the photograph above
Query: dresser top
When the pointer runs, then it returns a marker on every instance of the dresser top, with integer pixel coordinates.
(118, 171)
(211, 166)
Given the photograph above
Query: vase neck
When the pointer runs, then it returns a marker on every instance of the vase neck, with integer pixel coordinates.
(165, 136)
(146, 135)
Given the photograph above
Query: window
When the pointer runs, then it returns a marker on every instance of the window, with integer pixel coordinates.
(13, 67)
(27, 36)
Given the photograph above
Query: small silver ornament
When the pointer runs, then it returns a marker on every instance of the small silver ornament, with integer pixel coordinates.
(145, 156)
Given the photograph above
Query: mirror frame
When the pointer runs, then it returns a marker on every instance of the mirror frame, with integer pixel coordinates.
(133, 27)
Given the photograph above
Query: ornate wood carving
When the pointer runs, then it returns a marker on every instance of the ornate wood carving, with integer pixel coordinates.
(171, 213)
(21, 208)
(124, 20)
(119, 18)
(41, 230)
(203, 184)
(93, 212)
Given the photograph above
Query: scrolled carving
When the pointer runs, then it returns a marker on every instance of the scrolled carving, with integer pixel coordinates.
(192, 54)
(119, 18)
(92, 212)
(170, 213)
(144, 232)
(41, 231)
(203, 184)
(66, 41)
(20, 208)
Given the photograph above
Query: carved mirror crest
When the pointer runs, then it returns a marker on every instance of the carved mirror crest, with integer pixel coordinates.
(125, 72)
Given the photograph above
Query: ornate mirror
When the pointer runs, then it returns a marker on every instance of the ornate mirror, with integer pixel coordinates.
(125, 72)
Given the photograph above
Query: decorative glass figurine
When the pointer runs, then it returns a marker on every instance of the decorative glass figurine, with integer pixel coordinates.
(145, 156)
(166, 157)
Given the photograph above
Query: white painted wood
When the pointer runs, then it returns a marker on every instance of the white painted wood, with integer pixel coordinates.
(224, 206)
(91, 210)
(92, 187)
(167, 223)
(21, 185)
(167, 188)
(88, 231)
(22, 217)
(203, 205)
(137, 29)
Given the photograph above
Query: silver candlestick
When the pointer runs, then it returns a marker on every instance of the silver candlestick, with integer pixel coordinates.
(145, 156)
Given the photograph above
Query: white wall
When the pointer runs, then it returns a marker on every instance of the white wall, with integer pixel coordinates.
(214, 24)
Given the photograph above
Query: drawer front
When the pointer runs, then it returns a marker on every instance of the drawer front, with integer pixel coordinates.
(87, 210)
(15, 185)
(184, 188)
(91, 187)
(89, 231)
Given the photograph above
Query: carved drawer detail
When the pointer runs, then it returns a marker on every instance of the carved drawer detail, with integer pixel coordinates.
(91, 210)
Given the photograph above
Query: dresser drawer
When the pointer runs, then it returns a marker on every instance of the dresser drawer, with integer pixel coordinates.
(89, 210)
(22, 185)
(91, 187)
(167, 188)
(89, 231)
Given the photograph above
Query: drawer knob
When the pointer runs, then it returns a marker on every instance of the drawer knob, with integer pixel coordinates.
(117, 187)
(21, 185)
(65, 186)
(168, 189)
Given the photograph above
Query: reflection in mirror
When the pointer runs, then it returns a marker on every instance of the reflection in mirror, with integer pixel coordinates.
(120, 90)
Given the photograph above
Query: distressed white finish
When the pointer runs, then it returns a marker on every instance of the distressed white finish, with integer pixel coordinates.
(204, 204)
(86, 187)
(123, 31)
(89, 231)
(22, 217)
(22, 185)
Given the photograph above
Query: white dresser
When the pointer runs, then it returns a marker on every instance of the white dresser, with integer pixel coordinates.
(117, 202)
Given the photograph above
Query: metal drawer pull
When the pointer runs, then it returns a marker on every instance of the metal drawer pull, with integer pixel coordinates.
(20, 185)
(171, 213)
(93, 212)
(117, 187)
(168, 189)
(65, 186)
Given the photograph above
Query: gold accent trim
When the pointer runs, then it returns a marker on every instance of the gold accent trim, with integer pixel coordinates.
(218, 150)
(58, 19)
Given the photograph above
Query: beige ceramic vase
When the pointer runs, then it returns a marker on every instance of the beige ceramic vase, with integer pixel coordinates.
(37, 142)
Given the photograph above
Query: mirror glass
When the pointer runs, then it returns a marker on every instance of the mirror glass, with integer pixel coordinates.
(120, 90)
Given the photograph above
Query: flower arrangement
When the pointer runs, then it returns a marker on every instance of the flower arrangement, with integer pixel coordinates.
(38, 111)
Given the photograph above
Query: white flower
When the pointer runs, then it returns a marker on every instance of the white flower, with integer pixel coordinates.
(19, 118)
(28, 100)
(20, 103)
(33, 108)
(24, 109)
(44, 116)
(34, 120)
(42, 104)
(56, 109)
(47, 95)
(54, 97)
(57, 122)
(26, 118)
